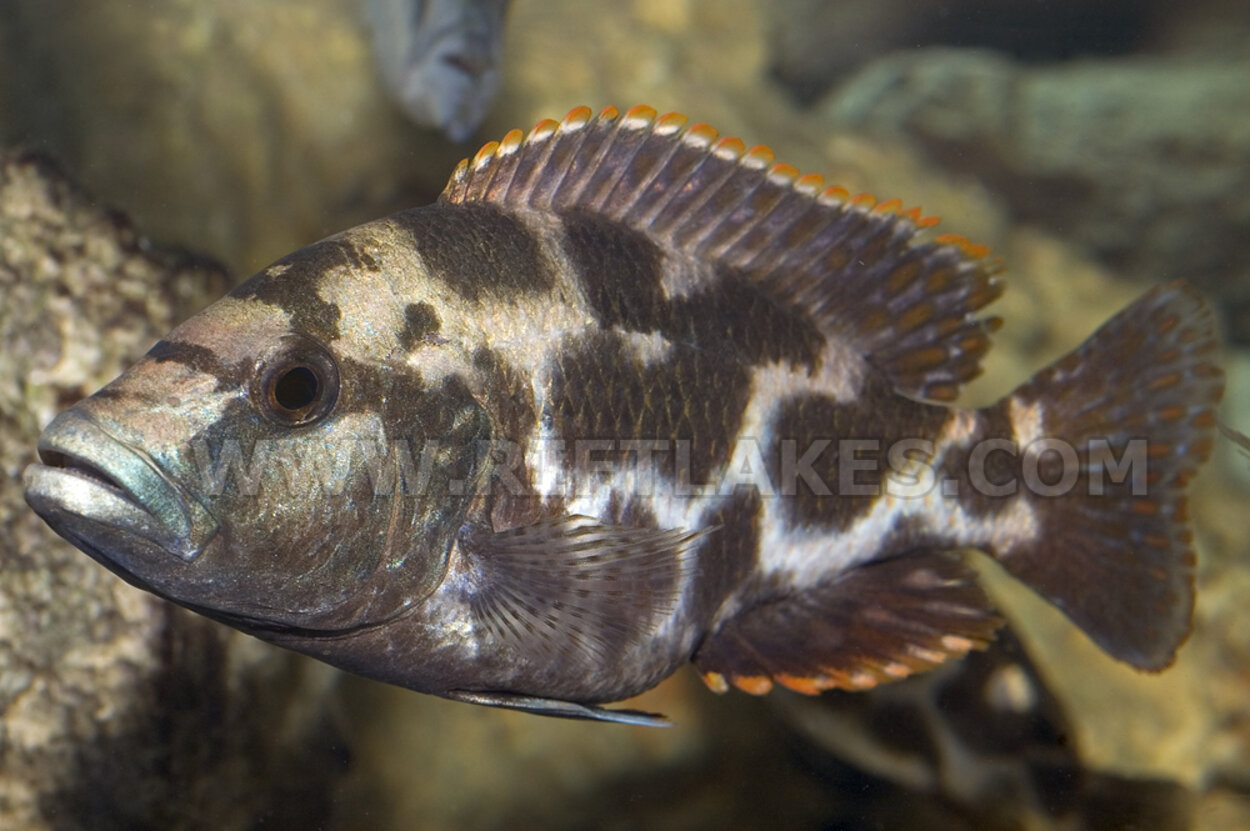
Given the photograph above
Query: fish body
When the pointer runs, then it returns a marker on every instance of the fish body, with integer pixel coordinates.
(440, 59)
(630, 395)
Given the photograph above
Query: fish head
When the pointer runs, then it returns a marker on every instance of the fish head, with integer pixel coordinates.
(252, 469)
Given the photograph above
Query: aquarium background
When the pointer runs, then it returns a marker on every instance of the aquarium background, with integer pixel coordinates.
(155, 153)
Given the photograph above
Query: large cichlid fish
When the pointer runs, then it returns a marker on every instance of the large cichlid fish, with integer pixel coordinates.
(628, 396)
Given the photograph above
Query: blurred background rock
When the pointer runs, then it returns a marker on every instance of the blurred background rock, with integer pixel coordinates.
(1096, 153)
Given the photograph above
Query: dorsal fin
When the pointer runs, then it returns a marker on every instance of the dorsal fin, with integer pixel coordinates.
(853, 267)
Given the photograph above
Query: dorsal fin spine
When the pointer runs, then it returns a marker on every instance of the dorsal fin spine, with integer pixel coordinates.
(809, 184)
(484, 156)
(730, 148)
(638, 117)
(700, 136)
(834, 195)
(758, 157)
(702, 183)
(655, 154)
(783, 174)
(603, 186)
(579, 117)
(670, 123)
(543, 130)
(721, 239)
(586, 147)
(562, 147)
(692, 234)
(681, 159)
(527, 165)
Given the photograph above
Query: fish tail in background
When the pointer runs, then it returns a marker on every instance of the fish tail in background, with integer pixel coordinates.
(1108, 438)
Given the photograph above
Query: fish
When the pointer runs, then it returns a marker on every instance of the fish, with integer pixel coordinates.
(629, 396)
(440, 59)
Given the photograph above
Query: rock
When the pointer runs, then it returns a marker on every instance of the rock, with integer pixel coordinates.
(116, 710)
(249, 129)
(1140, 161)
(814, 45)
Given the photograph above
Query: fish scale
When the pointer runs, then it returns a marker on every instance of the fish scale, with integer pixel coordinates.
(631, 395)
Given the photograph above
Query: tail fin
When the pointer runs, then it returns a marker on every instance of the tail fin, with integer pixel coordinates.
(1136, 402)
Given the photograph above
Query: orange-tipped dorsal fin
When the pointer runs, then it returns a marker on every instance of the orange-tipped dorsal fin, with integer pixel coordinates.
(855, 267)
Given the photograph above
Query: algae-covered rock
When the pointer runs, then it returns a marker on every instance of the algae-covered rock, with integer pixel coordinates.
(116, 710)
(815, 43)
(1141, 161)
(247, 129)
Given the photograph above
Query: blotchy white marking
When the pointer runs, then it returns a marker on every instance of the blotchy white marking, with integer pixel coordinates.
(521, 327)
(234, 329)
(1027, 421)
(806, 556)
(648, 347)
(682, 276)
(371, 316)
(840, 376)
(961, 427)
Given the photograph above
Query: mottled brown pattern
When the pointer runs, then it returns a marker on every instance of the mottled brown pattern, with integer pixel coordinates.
(878, 414)
(736, 317)
(506, 394)
(629, 512)
(1125, 382)
(420, 323)
(849, 271)
(478, 250)
(619, 269)
(601, 390)
(697, 262)
(997, 468)
(621, 272)
(199, 359)
(728, 555)
(909, 533)
(295, 289)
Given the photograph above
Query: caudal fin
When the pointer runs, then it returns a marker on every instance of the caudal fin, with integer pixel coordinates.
(1112, 434)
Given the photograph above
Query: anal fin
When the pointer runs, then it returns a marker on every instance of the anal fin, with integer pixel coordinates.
(560, 709)
(875, 623)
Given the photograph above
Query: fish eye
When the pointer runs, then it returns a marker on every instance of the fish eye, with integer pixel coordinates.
(297, 383)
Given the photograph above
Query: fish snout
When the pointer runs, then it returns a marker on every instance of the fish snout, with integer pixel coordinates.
(112, 499)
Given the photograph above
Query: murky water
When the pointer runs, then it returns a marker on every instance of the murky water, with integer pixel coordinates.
(1096, 153)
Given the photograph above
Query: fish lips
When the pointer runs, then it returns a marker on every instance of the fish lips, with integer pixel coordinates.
(113, 500)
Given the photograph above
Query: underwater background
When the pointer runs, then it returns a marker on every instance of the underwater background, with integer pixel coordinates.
(153, 153)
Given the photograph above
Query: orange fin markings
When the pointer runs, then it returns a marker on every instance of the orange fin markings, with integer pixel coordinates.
(850, 264)
(873, 624)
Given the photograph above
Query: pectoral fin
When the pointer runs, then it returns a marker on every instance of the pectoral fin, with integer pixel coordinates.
(572, 588)
(560, 709)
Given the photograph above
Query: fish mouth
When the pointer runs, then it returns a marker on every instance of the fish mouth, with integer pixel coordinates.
(110, 498)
